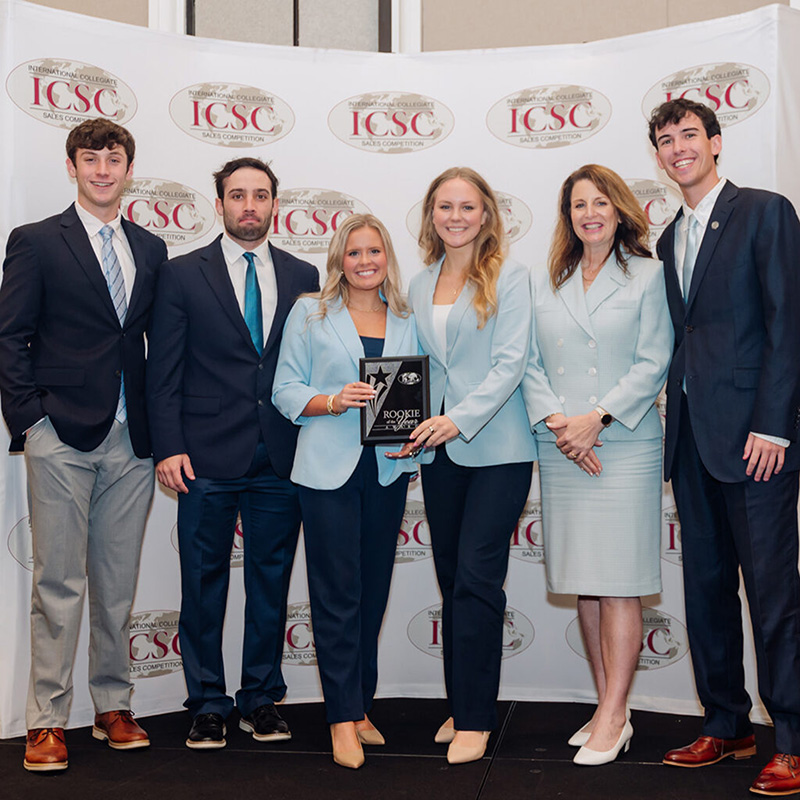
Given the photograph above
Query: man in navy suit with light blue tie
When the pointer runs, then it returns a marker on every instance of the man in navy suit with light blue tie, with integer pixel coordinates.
(733, 404)
(74, 304)
(223, 447)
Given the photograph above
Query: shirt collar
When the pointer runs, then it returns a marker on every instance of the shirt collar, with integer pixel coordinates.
(704, 208)
(93, 224)
(233, 250)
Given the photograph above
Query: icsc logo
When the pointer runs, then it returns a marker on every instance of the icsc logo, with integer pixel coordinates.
(733, 91)
(414, 539)
(549, 116)
(308, 218)
(671, 536)
(176, 213)
(154, 645)
(65, 93)
(517, 217)
(425, 631)
(527, 541)
(664, 640)
(298, 646)
(391, 122)
(659, 202)
(231, 115)
(20, 543)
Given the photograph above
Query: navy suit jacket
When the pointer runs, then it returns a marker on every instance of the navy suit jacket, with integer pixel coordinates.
(208, 390)
(737, 338)
(62, 348)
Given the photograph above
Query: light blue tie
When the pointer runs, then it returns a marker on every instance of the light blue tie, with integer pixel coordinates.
(252, 303)
(116, 288)
(690, 256)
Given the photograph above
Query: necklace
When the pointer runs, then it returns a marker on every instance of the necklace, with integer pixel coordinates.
(367, 310)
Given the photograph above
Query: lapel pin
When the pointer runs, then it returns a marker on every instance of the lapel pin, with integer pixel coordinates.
(714, 225)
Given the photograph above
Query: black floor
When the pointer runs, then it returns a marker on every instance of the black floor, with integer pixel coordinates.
(527, 758)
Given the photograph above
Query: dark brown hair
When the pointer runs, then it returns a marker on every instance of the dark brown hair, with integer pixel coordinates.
(96, 134)
(673, 111)
(630, 238)
(226, 170)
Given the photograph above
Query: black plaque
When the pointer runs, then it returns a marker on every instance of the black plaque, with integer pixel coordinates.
(402, 399)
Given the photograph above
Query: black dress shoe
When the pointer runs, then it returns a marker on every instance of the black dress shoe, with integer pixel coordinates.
(207, 732)
(266, 725)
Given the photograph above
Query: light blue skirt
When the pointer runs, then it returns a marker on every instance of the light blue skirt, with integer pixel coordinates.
(602, 536)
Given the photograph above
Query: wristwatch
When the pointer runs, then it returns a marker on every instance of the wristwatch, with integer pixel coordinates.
(605, 417)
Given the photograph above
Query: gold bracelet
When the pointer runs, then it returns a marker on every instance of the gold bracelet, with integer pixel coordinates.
(330, 407)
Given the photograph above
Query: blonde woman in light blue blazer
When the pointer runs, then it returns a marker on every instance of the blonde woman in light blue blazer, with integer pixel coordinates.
(600, 349)
(352, 497)
(473, 317)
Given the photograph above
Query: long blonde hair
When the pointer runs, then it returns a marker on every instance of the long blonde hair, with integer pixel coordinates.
(336, 287)
(489, 251)
(630, 238)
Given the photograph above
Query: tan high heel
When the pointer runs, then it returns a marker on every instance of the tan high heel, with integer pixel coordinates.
(370, 735)
(460, 754)
(352, 759)
(446, 732)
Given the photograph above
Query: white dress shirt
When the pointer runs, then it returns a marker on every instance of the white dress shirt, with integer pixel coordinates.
(265, 275)
(119, 242)
(702, 212)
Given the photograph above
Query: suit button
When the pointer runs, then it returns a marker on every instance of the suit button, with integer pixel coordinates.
(261, 366)
(689, 328)
(117, 373)
(593, 370)
(261, 402)
(560, 370)
(592, 399)
(562, 399)
(592, 343)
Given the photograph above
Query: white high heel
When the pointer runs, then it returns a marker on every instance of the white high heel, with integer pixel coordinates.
(581, 736)
(592, 758)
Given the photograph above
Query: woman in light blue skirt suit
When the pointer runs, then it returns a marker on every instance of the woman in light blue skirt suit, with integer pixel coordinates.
(601, 344)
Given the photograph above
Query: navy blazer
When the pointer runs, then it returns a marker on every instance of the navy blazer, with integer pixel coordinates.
(208, 390)
(62, 348)
(737, 339)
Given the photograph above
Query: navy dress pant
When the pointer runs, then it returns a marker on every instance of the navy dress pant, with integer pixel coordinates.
(350, 536)
(206, 523)
(725, 526)
(471, 513)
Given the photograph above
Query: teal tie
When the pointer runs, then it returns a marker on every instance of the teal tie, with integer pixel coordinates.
(252, 303)
(690, 256)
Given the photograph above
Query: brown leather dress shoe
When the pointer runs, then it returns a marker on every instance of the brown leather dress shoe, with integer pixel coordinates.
(780, 777)
(45, 750)
(708, 750)
(120, 729)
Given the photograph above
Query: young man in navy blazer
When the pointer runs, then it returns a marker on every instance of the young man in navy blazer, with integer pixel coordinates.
(224, 448)
(74, 303)
(733, 396)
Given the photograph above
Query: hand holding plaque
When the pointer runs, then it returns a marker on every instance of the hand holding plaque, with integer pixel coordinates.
(402, 397)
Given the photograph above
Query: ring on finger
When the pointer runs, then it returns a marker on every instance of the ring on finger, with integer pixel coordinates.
(431, 429)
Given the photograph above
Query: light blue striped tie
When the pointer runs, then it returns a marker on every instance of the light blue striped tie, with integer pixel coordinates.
(116, 288)
(690, 256)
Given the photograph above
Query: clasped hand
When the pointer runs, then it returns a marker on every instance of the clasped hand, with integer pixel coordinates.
(577, 438)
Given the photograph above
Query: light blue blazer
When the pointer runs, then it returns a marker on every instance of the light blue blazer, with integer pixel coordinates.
(609, 347)
(319, 356)
(478, 378)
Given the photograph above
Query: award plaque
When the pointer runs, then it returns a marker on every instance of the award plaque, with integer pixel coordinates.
(402, 399)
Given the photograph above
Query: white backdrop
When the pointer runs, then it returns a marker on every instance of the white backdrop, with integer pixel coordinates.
(352, 131)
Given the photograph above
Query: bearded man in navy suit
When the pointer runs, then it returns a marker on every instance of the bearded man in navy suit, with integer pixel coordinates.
(224, 448)
(733, 404)
(74, 304)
